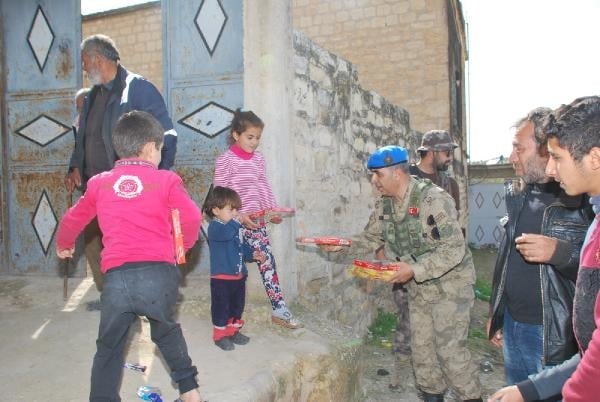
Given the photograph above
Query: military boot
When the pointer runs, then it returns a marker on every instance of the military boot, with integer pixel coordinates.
(427, 397)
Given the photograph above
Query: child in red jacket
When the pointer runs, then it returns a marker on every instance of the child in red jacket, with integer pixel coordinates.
(133, 203)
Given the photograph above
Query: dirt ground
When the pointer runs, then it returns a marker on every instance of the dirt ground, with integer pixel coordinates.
(47, 346)
(379, 361)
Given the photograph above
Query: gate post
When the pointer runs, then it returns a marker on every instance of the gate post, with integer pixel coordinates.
(268, 90)
(3, 168)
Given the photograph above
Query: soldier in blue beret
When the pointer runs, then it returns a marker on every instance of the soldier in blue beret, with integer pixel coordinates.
(415, 222)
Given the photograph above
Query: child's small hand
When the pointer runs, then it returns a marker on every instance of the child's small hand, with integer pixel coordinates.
(66, 253)
(247, 222)
(276, 219)
(259, 256)
(330, 248)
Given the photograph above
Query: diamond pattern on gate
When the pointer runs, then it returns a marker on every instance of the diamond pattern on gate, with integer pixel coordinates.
(497, 233)
(479, 233)
(43, 130)
(210, 21)
(44, 222)
(209, 120)
(40, 38)
(497, 200)
(479, 200)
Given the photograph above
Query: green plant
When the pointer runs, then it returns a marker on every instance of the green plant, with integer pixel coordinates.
(483, 290)
(381, 331)
(477, 333)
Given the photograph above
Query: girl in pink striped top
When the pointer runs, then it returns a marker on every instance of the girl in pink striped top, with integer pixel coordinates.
(243, 169)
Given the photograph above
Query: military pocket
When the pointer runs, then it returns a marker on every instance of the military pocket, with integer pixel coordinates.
(431, 290)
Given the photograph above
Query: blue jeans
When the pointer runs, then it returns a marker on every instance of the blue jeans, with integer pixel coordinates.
(139, 289)
(523, 349)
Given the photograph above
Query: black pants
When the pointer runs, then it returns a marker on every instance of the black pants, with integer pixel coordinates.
(139, 289)
(227, 300)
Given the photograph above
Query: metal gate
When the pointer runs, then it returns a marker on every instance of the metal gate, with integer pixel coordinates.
(40, 73)
(203, 53)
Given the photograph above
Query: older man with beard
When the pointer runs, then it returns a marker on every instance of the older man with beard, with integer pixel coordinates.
(534, 278)
(115, 92)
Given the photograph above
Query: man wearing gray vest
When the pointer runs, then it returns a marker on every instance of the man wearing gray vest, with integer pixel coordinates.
(417, 223)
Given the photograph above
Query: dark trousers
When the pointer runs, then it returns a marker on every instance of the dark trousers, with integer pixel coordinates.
(139, 289)
(402, 334)
(227, 300)
(92, 236)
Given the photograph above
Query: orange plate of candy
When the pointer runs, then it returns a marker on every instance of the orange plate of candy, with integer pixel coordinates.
(265, 215)
(376, 269)
(324, 240)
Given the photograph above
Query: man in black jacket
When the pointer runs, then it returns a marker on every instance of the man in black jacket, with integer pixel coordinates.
(536, 268)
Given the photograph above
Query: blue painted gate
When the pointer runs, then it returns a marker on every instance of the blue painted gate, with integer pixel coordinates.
(203, 53)
(40, 72)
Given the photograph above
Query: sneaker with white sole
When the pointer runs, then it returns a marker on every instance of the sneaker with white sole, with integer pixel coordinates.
(286, 320)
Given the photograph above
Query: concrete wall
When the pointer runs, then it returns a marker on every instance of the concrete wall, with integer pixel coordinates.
(268, 90)
(137, 31)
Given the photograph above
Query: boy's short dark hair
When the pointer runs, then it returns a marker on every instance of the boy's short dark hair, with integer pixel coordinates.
(134, 130)
(220, 197)
(576, 126)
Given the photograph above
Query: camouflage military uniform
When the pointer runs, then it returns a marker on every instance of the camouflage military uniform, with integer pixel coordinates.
(401, 348)
(423, 231)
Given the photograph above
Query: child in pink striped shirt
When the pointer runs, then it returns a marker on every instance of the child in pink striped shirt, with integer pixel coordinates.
(243, 169)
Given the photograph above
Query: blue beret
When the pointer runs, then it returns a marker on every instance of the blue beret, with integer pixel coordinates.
(387, 156)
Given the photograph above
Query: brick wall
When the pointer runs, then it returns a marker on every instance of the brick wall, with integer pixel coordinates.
(137, 31)
(400, 49)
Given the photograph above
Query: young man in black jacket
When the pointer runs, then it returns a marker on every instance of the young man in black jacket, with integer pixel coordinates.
(536, 268)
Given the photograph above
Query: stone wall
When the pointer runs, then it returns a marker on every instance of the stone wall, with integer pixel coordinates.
(137, 31)
(404, 50)
(400, 48)
(336, 125)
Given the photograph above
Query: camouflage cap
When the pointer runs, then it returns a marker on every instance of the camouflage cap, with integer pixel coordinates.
(437, 140)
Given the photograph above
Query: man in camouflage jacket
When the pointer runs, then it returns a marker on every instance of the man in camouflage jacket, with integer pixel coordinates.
(417, 222)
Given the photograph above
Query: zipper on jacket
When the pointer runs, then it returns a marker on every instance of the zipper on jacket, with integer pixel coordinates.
(541, 267)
